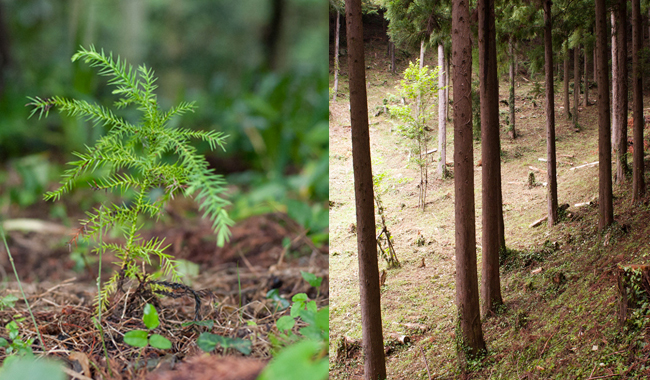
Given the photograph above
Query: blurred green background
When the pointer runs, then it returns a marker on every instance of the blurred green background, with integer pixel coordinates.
(257, 70)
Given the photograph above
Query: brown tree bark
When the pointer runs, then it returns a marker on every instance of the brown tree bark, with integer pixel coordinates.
(490, 157)
(373, 345)
(576, 83)
(511, 99)
(586, 100)
(638, 182)
(567, 102)
(550, 113)
(615, 97)
(393, 69)
(442, 119)
(621, 103)
(337, 36)
(469, 338)
(604, 135)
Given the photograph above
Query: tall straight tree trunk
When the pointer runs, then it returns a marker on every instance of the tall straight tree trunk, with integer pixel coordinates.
(373, 344)
(470, 343)
(442, 119)
(392, 57)
(550, 114)
(595, 66)
(638, 182)
(604, 135)
(576, 82)
(567, 103)
(490, 156)
(337, 36)
(447, 85)
(621, 103)
(511, 99)
(586, 100)
(615, 72)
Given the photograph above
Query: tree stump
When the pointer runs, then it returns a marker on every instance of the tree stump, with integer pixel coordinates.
(633, 288)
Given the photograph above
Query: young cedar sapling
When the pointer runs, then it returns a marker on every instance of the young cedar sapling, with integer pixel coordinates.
(139, 157)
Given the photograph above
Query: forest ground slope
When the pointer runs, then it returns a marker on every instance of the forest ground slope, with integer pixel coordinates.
(559, 284)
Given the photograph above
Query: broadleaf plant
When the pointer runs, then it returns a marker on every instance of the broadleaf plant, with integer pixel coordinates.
(139, 157)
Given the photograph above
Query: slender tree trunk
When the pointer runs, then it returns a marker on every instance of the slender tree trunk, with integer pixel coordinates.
(469, 336)
(604, 142)
(638, 182)
(576, 83)
(373, 345)
(621, 104)
(490, 156)
(550, 114)
(567, 103)
(586, 100)
(615, 72)
(337, 36)
(442, 120)
(511, 99)
(447, 85)
(422, 49)
(392, 58)
(595, 65)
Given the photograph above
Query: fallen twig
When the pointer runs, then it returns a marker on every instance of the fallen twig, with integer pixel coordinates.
(425, 362)
(585, 165)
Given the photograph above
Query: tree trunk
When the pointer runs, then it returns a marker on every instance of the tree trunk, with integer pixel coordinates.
(512, 131)
(5, 49)
(337, 36)
(638, 182)
(604, 134)
(491, 177)
(373, 344)
(567, 103)
(576, 83)
(447, 85)
(393, 69)
(620, 143)
(469, 337)
(550, 113)
(595, 66)
(442, 120)
(586, 100)
(615, 97)
(422, 49)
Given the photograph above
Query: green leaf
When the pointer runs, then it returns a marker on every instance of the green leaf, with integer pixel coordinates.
(9, 300)
(297, 362)
(208, 342)
(150, 317)
(300, 297)
(311, 279)
(285, 323)
(136, 338)
(3, 342)
(160, 342)
(13, 329)
(27, 368)
(274, 295)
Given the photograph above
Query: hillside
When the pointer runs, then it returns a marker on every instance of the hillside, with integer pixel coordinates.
(559, 284)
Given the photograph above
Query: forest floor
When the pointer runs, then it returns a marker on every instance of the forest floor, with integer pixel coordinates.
(265, 252)
(558, 283)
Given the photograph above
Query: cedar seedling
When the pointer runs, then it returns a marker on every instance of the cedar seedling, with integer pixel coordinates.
(139, 158)
(141, 338)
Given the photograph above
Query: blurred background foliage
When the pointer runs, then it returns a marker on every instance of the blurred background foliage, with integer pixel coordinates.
(257, 70)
